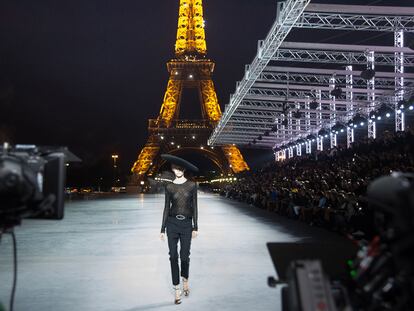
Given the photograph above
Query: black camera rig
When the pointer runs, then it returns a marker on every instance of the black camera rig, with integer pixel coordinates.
(32, 182)
(359, 275)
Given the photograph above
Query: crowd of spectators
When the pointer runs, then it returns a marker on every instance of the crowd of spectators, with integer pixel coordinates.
(325, 188)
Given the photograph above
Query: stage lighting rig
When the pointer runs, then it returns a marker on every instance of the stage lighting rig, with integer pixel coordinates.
(323, 132)
(297, 114)
(274, 128)
(337, 92)
(337, 127)
(368, 74)
(313, 105)
(402, 104)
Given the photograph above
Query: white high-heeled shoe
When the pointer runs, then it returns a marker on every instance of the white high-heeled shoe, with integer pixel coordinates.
(177, 294)
(186, 290)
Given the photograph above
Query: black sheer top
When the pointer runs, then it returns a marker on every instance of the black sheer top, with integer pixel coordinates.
(180, 199)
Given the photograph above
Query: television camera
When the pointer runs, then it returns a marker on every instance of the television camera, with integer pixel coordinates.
(32, 183)
(359, 275)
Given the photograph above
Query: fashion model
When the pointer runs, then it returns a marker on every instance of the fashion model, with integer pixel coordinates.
(180, 221)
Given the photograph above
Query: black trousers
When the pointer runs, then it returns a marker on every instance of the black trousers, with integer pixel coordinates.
(179, 230)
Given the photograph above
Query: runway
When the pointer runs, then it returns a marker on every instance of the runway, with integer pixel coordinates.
(106, 255)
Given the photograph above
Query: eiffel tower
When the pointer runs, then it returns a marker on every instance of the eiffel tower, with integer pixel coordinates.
(189, 69)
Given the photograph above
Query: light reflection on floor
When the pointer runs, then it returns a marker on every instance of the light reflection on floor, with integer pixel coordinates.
(106, 255)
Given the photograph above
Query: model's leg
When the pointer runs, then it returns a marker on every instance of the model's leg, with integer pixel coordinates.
(185, 241)
(173, 238)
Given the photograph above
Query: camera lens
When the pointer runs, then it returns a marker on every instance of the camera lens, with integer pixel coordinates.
(11, 180)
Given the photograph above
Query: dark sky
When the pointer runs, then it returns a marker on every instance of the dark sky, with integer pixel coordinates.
(88, 74)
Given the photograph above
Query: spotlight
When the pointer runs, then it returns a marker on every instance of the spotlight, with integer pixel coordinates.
(322, 132)
(411, 107)
(384, 109)
(388, 115)
(368, 74)
(337, 127)
(379, 118)
(342, 130)
(313, 105)
(337, 91)
(358, 119)
(297, 114)
(402, 104)
(310, 137)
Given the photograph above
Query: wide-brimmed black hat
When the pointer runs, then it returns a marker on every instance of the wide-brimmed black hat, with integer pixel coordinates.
(180, 162)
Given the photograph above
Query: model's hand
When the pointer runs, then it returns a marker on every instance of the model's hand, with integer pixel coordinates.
(194, 235)
(162, 236)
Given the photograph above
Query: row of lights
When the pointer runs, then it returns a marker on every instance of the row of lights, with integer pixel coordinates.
(224, 180)
(178, 146)
(384, 110)
(162, 137)
(358, 120)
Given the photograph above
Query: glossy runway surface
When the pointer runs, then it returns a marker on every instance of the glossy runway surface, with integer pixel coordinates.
(106, 255)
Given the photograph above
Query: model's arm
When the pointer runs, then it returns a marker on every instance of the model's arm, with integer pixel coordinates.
(166, 210)
(195, 208)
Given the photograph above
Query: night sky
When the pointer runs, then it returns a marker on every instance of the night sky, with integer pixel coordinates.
(88, 74)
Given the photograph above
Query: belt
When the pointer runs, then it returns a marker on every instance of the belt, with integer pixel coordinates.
(180, 217)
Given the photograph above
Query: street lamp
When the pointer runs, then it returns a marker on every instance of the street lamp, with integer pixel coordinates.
(115, 158)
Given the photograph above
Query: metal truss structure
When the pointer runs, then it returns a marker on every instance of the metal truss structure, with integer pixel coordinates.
(286, 92)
